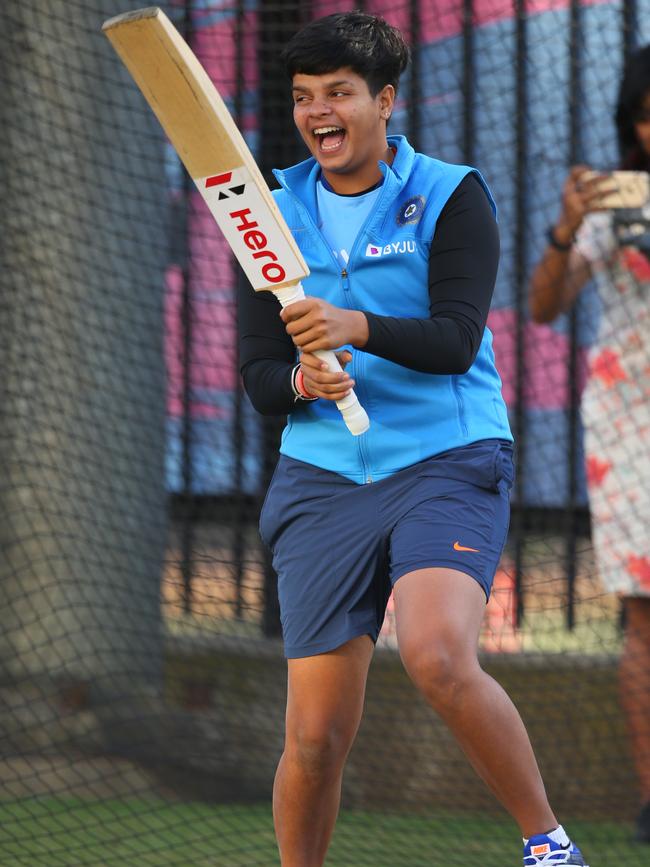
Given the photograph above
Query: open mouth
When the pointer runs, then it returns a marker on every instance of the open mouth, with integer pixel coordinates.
(330, 138)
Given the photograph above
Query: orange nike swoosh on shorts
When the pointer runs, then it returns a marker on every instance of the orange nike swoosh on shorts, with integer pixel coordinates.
(459, 547)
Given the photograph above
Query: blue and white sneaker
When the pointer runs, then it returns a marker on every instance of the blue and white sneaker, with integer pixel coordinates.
(542, 851)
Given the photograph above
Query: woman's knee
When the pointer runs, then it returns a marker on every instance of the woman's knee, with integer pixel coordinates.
(319, 748)
(440, 671)
(324, 705)
(637, 617)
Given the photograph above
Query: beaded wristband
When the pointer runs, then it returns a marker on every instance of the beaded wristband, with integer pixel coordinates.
(298, 386)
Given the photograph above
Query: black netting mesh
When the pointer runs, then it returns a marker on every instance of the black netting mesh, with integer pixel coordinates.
(142, 682)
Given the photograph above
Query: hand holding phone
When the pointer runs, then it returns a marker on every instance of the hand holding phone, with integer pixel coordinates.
(620, 189)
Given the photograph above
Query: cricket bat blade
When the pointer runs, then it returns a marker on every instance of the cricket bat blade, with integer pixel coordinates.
(216, 156)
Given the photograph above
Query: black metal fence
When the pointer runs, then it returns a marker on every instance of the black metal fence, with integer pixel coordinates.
(567, 516)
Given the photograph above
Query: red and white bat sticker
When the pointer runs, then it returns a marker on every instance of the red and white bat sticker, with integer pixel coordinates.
(251, 228)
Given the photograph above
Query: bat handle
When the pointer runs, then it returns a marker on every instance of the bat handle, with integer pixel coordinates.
(354, 415)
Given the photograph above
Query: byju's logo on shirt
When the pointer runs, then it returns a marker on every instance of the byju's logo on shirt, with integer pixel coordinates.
(372, 250)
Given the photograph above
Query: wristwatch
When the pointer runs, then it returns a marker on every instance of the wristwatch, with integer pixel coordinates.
(553, 241)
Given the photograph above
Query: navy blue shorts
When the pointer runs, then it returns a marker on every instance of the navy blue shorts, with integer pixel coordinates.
(339, 547)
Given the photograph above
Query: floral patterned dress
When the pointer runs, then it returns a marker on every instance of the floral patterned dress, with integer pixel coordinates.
(616, 409)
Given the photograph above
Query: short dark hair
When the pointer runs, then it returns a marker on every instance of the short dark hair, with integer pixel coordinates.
(634, 87)
(365, 43)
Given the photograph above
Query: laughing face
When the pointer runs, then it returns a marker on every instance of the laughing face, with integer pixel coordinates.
(343, 126)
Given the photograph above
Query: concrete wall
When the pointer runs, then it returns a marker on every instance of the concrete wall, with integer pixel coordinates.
(404, 758)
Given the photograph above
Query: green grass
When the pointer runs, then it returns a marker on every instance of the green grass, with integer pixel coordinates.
(48, 832)
(546, 632)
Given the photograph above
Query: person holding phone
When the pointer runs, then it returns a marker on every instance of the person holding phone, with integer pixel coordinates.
(612, 246)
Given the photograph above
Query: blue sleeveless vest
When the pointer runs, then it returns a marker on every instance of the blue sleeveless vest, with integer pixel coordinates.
(413, 415)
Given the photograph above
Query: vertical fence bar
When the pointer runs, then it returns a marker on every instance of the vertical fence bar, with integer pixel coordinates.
(573, 411)
(521, 304)
(630, 26)
(238, 427)
(187, 433)
(469, 83)
(277, 23)
(415, 81)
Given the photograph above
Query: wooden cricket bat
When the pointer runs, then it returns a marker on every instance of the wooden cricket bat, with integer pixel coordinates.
(214, 152)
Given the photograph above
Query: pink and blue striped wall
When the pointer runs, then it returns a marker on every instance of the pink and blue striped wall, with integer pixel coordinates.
(546, 391)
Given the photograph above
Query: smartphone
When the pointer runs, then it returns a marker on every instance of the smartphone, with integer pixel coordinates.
(624, 189)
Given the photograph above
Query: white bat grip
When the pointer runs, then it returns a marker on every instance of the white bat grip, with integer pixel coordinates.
(354, 415)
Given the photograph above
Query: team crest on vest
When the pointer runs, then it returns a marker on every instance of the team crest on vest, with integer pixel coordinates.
(411, 211)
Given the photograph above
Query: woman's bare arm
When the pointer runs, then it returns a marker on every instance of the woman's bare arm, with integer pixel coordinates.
(562, 271)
